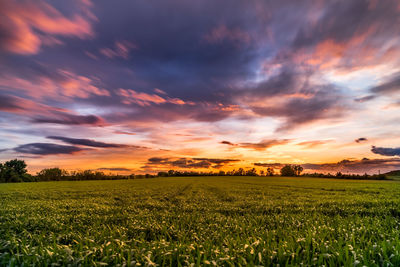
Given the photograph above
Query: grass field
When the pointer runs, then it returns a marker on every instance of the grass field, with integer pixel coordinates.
(201, 221)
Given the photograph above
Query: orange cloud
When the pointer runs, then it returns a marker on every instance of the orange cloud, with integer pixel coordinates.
(21, 22)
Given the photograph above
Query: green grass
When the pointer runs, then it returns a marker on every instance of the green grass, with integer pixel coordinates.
(229, 221)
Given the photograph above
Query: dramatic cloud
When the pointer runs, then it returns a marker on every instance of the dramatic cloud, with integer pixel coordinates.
(46, 149)
(86, 142)
(386, 151)
(301, 72)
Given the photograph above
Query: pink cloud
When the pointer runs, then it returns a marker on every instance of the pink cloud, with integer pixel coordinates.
(67, 84)
(21, 23)
(144, 99)
(121, 49)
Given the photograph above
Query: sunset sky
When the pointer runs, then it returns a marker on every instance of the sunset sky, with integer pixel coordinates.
(142, 86)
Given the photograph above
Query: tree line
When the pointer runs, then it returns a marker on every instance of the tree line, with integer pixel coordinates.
(15, 171)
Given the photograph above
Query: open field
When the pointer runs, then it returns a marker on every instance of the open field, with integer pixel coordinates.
(201, 221)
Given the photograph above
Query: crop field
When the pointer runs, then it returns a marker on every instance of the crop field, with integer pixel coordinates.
(214, 221)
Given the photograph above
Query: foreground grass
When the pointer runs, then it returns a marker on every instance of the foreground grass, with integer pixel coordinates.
(201, 221)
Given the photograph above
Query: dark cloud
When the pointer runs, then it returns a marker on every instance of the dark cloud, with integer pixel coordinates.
(324, 104)
(361, 139)
(86, 142)
(69, 119)
(386, 151)
(227, 143)
(365, 98)
(8, 103)
(188, 162)
(388, 87)
(46, 149)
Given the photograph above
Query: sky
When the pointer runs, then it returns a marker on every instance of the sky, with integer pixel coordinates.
(145, 86)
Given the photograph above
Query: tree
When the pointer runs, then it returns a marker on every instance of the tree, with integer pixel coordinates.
(251, 172)
(270, 171)
(52, 174)
(13, 171)
(297, 169)
(288, 170)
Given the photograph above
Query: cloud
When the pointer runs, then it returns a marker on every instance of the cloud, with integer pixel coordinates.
(365, 98)
(144, 99)
(58, 84)
(389, 87)
(70, 119)
(361, 139)
(221, 33)
(227, 143)
(9, 103)
(86, 142)
(314, 143)
(188, 162)
(27, 25)
(115, 169)
(386, 151)
(46, 149)
(262, 145)
(121, 49)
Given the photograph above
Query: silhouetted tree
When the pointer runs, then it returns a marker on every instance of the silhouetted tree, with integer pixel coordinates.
(297, 169)
(52, 174)
(288, 170)
(14, 171)
(270, 171)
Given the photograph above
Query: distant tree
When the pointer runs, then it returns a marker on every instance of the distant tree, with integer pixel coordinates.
(240, 172)
(162, 174)
(251, 172)
(221, 173)
(270, 171)
(288, 170)
(52, 174)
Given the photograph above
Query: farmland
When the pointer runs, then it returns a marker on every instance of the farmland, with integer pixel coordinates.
(201, 221)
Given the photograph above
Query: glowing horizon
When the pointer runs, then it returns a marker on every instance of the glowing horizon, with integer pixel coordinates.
(143, 88)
